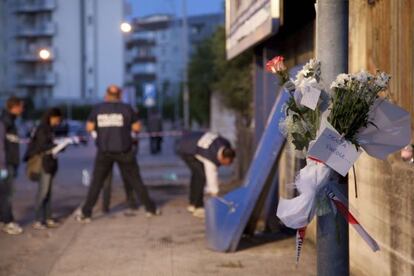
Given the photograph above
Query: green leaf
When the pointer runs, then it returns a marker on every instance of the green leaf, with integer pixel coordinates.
(299, 141)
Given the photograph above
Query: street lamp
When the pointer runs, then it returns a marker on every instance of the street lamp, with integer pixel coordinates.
(126, 27)
(44, 54)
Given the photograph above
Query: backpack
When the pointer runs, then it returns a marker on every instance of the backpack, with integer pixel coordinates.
(34, 167)
(33, 161)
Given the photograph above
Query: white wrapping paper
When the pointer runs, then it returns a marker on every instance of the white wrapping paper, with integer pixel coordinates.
(390, 131)
(299, 211)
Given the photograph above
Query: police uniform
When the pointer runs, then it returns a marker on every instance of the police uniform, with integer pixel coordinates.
(113, 121)
(200, 152)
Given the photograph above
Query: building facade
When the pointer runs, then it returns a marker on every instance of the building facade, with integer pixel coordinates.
(381, 36)
(155, 50)
(63, 50)
(89, 41)
(33, 31)
(3, 40)
(149, 56)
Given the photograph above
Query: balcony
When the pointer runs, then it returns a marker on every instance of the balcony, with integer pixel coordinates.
(143, 35)
(140, 43)
(145, 78)
(43, 79)
(143, 68)
(33, 55)
(145, 59)
(34, 6)
(45, 29)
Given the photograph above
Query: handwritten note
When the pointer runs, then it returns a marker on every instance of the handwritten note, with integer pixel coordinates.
(310, 97)
(334, 151)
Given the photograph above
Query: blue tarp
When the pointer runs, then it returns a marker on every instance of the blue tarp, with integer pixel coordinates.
(227, 217)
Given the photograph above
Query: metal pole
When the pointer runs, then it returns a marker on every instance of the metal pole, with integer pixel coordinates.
(332, 51)
(186, 93)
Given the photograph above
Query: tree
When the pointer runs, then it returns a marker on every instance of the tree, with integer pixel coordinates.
(209, 71)
(201, 79)
(233, 78)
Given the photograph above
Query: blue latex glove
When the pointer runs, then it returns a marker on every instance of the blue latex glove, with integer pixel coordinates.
(3, 174)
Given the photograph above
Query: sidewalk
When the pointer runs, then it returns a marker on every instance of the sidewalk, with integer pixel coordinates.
(172, 244)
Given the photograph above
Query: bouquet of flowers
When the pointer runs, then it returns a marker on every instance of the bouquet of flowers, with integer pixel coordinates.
(352, 98)
(302, 119)
(356, 117)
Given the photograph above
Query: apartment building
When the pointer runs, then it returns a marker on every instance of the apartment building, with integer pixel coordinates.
(3, 66)
(64, 51)
(155, 49)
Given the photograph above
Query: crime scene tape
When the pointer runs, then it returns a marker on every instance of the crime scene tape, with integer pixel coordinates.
(171, 133)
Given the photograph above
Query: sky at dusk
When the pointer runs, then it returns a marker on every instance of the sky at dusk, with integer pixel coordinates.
(194, 7)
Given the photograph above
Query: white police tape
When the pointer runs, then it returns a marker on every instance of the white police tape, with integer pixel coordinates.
(171, 133)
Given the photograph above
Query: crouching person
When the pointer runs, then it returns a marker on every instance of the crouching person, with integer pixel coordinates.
(203, 153)
(42, 161)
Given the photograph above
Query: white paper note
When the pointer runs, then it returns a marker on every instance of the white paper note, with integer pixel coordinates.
(310, 97)
(334, 151)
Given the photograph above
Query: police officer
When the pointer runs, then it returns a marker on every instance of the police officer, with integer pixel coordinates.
(204, 153)
(107, 186)
(113, 121)
(9, 162)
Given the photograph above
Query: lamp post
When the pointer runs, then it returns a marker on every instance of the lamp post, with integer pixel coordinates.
(46, 55)
(186, 92)
(332, 51)
(126, 29)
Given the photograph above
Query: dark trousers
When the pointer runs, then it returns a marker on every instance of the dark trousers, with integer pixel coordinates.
(128, 166)
(107, 190)
(44, 197)
(197, 182)
(6, 196)
(155, 144)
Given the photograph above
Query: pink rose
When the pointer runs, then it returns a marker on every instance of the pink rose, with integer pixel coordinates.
(276, 65)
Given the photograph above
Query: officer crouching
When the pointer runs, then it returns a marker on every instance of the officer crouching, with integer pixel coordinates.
(203, 153)
(113, 121)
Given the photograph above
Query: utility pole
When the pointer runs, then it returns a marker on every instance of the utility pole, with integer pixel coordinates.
(332, 51)
(186, 93)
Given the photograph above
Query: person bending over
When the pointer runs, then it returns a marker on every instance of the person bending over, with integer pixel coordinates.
(203, 153)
